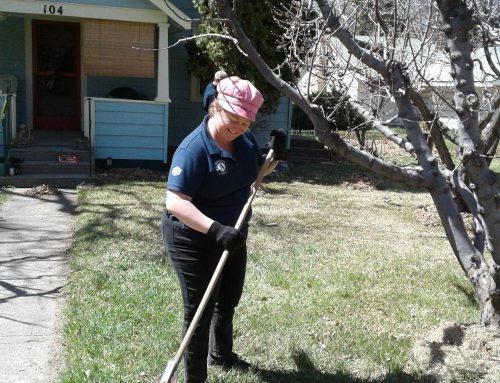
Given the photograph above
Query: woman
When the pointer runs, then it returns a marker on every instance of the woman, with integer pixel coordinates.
(209, 183)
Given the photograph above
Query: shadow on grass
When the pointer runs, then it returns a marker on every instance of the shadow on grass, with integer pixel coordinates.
(104, 216)
(468, 293)
(308, 373)
(337, 172)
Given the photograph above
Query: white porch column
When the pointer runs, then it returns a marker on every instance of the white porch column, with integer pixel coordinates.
(163, 65)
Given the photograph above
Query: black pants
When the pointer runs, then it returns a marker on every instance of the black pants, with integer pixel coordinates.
(194, 257)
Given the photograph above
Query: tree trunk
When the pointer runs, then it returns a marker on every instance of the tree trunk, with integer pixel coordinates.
(457, 25)
(439, 182)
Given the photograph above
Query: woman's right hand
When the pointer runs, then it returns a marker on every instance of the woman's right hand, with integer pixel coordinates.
(228, 237)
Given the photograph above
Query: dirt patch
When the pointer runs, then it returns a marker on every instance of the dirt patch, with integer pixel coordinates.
(457, 353)
(359, 181)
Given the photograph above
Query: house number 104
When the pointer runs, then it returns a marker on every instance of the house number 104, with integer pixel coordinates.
(52, 9)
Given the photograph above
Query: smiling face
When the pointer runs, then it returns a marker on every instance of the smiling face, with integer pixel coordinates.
(229, 126)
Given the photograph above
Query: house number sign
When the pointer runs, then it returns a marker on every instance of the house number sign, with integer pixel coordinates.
(52, 9)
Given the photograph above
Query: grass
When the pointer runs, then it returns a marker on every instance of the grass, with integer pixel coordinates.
(3, 197)
(341, 279)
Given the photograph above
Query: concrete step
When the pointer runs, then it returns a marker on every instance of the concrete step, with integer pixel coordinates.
(47, 153)
(54, 180)
(54, 167)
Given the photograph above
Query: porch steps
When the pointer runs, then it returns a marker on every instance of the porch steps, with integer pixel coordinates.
(41, 164)
(47, 153)
(54, 167)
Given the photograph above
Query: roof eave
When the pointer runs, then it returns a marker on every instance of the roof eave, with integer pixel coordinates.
(173, 13)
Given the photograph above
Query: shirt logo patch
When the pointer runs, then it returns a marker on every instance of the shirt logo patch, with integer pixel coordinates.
(176, 171)
(220, 167)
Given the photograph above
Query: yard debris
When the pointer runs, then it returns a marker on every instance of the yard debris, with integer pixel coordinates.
(428, 216)
(42, 190)
(460, 353)
(130, 174)
(359, 181)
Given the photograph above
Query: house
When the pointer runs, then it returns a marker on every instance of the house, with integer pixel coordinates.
(94, 78)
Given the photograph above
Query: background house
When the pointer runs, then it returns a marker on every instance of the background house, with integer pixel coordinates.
(428, 67)
(96, 74)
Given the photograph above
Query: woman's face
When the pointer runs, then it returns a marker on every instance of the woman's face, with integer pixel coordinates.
(230, 125)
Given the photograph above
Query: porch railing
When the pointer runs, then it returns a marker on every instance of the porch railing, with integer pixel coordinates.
(130, 130)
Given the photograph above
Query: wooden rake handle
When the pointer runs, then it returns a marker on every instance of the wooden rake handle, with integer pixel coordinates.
(172, 364)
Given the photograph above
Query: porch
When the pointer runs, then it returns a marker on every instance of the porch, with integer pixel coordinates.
(116, 131)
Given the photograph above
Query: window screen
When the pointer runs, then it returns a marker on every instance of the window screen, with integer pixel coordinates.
(108, 49)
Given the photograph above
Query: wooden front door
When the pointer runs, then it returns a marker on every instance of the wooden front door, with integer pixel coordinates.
(56, 75)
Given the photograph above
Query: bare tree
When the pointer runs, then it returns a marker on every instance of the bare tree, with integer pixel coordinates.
(402, 50)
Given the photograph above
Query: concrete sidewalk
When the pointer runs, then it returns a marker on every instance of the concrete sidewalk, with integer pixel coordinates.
(35, 234)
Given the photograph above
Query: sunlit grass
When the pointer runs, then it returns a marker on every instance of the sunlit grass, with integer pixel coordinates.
(340, 282)
(3, 196)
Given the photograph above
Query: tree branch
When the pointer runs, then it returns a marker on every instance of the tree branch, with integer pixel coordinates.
(323, 135)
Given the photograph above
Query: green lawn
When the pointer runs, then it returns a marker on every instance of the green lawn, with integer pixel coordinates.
(342, 278)
(3, 197)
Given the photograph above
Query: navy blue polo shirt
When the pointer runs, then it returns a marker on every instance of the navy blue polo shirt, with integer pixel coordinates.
(217, 181)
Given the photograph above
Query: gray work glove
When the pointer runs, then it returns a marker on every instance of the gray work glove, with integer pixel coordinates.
(226, 236)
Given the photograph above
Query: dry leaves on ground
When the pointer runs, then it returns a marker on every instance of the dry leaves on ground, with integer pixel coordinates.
(131, 174)
(359, 181)
(428, 216)
(42, 190)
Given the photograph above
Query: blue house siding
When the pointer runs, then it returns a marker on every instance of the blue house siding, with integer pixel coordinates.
(279, 120)
(187, 7)
(12, 59)
(140, 4)
(185, 115)
(130, 131)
